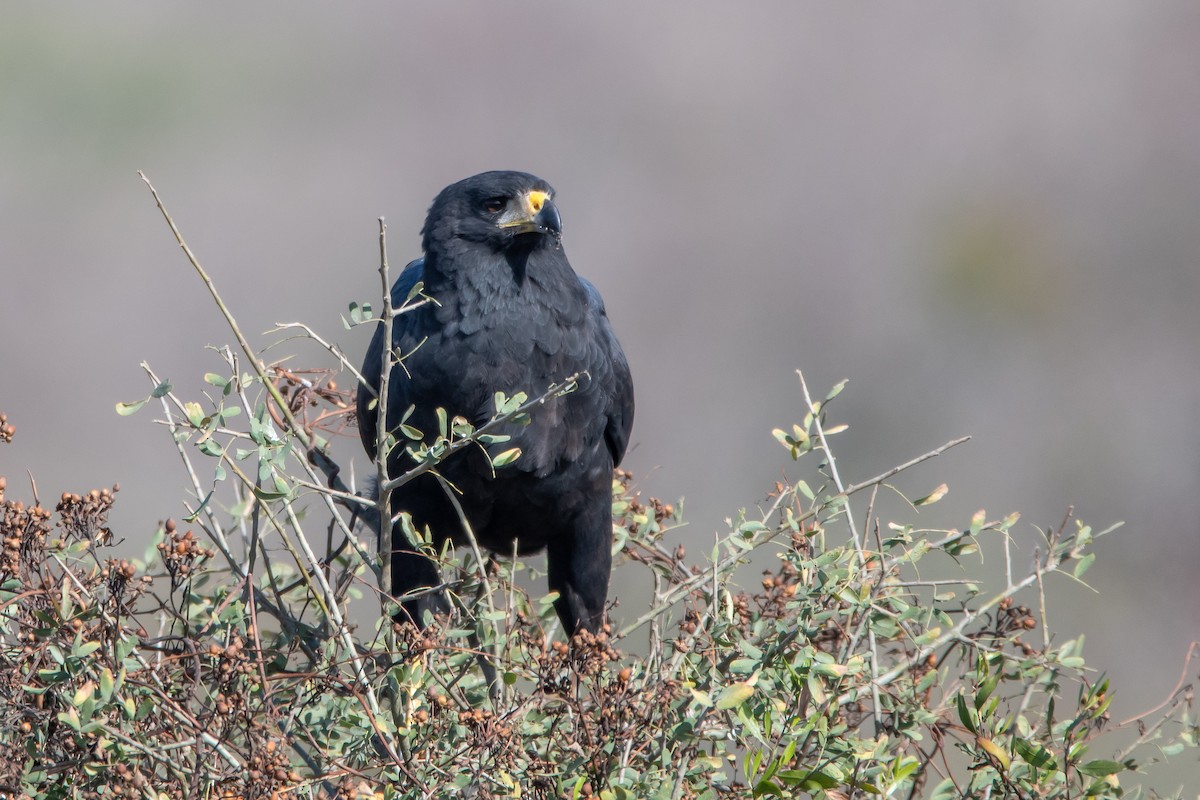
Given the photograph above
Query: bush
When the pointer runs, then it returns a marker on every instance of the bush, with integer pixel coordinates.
(845, 672)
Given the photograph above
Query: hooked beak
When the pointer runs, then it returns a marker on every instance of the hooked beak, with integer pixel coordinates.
(535, 212)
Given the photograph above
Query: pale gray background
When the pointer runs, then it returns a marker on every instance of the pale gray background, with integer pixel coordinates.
(985, 216)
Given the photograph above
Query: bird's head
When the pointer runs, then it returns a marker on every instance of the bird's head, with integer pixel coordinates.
(498, 210)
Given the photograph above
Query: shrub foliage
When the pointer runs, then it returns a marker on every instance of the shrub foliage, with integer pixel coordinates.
(227, 662)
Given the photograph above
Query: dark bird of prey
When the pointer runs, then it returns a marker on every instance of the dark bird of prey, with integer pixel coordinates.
(509, 315)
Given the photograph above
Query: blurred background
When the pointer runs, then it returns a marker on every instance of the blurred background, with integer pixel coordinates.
(984, 216)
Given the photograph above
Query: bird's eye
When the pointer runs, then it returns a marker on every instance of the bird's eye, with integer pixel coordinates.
(494, 205)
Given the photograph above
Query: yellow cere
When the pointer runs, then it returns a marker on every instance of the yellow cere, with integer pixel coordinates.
(537, 199)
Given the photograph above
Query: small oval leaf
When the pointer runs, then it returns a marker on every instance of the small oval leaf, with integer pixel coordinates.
(125, 409)
(507, 457)
(734, 695)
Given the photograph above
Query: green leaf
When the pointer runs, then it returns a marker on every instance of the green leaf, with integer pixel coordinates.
(767, 787)
(200, 508)
(994, 750)
(927, 681)
(808, 781)
(507, 457)
(906, 767)
(415, 291)
(360, 313)
(267, 494)
(933, 497)
(1101, 768)
(70, 718)
(195, 414)
(126, 409)
(830, 670)
(836, 390)
(965, 715)
(1033, 754)
(929, 636)
(734, 695)
(161, 390)
(83, 694)
(1173, 749)
(84, 649)
(492, 438)
(1082, 565)
(986, 687)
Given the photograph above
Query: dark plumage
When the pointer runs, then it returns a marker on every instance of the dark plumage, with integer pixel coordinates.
(510, 315)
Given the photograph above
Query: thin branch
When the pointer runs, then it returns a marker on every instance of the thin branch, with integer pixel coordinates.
(882, 477)
(1183, 676)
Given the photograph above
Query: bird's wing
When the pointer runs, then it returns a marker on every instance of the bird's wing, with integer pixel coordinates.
(368, 411)
(619, 421)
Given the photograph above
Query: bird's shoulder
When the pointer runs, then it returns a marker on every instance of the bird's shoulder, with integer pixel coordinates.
(595, 301)
(410, 276)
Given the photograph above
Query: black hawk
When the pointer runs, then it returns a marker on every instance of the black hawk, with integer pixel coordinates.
(509, 315)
